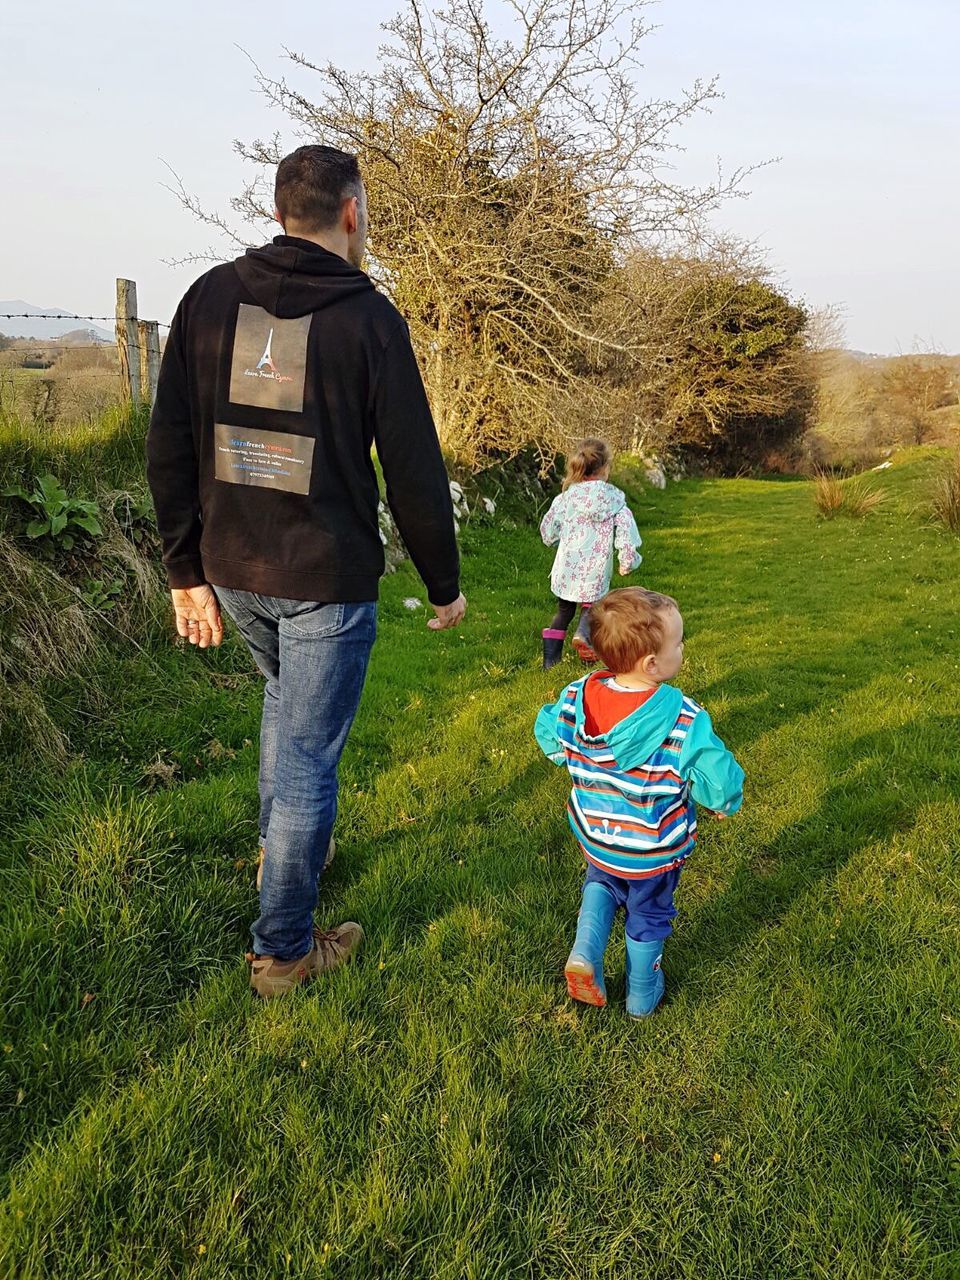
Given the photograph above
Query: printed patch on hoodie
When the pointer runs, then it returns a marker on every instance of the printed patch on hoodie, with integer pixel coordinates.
(269, 360)
(269, 459)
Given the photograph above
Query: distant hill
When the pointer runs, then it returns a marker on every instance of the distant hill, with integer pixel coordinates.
(931, 357)
(84, 337)
(47, 330)
(863, 356)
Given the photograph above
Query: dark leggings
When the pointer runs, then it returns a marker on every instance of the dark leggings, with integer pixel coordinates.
(566, 612)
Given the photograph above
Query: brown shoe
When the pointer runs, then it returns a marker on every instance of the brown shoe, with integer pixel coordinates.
(270, 977)
(331, 854)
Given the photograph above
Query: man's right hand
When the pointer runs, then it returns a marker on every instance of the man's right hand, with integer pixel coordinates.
(198, 615)
(448, 615)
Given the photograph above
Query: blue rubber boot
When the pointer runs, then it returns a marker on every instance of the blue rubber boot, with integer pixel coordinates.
(645, 982)
(584, 967)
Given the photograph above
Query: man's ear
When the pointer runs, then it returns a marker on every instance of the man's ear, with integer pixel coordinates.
(277, 218)
(349, 216)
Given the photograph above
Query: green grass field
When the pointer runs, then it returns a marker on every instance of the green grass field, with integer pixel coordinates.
(440, 1109)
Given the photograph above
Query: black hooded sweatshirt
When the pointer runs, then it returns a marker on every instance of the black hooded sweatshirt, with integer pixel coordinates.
(281, 372)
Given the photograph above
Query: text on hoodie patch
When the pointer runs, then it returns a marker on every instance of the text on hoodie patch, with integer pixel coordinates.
(269, 363)
(268, 459)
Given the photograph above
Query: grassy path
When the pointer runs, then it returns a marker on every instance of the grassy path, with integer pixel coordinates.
(440, 1109)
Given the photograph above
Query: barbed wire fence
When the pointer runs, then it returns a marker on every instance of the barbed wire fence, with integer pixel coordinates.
(47, 381)
(19, 343)
(58, 315)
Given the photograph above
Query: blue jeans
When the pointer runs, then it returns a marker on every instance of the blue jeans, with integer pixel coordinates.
(314, 658)
(648, 903)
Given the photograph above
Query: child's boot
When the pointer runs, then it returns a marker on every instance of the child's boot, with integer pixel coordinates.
(584, 968)
(645, 982)
(581, 639)
(552, 647)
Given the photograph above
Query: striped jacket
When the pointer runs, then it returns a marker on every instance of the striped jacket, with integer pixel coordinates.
(635, 789)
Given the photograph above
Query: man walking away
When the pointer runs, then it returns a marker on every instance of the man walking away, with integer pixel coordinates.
(281, 372)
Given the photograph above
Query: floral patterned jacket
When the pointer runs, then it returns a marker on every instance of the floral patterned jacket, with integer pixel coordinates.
(589, 520)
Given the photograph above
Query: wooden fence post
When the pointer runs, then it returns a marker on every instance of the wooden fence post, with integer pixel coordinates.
(128, 341)
(148, 335)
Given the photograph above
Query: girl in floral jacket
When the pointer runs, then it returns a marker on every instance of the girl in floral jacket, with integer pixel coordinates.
(590, 520)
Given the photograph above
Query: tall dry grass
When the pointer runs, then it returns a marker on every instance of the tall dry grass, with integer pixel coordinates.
(827, 494)
(854, 497)
(48, 633)
(946, 496)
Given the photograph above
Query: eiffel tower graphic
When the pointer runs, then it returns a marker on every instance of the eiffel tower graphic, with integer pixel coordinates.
(266, 360)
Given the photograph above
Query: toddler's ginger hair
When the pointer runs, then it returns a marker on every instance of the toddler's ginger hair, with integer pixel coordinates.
(589, 458)
(627, 625)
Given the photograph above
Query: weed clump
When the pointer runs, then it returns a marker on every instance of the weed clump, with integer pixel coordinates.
(853, 497)
(946, 497)
(827, 494)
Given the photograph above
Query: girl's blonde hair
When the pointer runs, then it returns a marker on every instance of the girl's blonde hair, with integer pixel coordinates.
(589, 458)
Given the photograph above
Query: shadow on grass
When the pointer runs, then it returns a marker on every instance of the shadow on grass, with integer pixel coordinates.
(859, 811)
(784, 688)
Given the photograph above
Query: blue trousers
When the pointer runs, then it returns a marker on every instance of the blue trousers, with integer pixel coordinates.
(648, 903)
(314, 658)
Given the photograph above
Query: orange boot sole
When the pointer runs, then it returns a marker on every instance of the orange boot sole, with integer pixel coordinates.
(584, 652)
(582, 982)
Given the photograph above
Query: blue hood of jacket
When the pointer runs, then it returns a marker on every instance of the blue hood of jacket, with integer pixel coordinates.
(714, 776)
(635, 738)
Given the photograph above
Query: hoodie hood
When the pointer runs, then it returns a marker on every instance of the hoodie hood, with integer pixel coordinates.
(635, 738)
(594, 500)
(292, 277)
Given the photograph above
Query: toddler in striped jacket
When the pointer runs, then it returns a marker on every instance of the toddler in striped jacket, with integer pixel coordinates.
(641, 756)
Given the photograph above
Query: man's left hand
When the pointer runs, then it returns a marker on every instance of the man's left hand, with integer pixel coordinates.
(198, 615)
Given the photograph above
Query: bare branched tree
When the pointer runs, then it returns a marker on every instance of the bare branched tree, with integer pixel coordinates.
(914, 387)
(508, 172)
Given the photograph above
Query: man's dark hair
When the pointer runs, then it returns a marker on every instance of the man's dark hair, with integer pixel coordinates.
(312, 184)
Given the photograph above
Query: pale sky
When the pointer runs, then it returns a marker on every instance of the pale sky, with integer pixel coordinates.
(858, 100)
